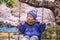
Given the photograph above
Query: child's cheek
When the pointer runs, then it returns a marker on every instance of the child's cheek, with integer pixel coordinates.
(29, 20)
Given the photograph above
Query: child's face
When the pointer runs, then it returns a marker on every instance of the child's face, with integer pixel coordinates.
(30, 18)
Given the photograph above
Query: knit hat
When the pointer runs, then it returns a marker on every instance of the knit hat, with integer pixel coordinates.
(33, 12)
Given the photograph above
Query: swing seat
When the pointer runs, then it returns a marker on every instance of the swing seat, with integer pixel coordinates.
(6, 34)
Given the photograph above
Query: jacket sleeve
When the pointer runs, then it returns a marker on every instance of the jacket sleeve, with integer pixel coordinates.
(42, 27)
(21, 28)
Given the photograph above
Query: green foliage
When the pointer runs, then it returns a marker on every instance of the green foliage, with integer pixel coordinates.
(10, 3)
(49, 32)
(0, 1)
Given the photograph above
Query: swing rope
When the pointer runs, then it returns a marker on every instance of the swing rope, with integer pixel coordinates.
(43, 10)
(19, 21)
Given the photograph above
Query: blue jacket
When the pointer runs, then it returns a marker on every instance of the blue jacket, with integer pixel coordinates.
(31, 30)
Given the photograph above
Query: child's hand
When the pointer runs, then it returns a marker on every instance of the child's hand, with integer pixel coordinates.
(42, 23)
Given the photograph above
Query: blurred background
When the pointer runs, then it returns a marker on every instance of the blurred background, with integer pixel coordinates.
(13, 12)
